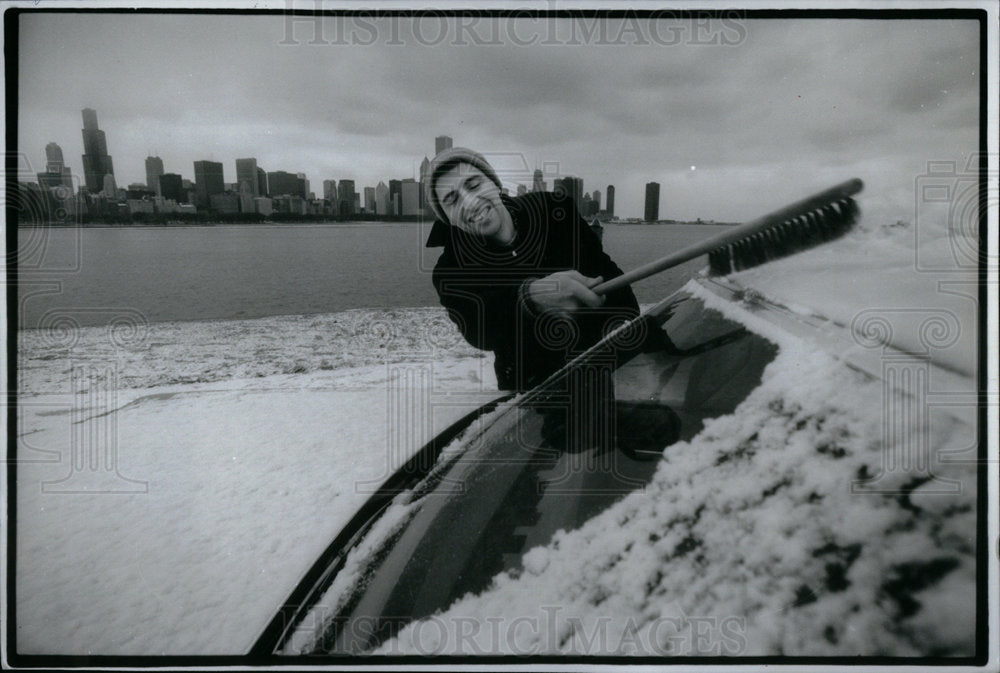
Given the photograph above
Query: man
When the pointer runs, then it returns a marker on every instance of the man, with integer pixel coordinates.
(516, 273)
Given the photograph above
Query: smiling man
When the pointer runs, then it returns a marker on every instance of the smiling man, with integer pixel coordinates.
(516, 273)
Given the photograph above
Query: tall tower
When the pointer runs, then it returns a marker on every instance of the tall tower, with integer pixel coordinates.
(441, 143)
(96, 161)
(345, 190)
(154, 169)
(381, 199)
(652, 201)
(246, 172)
(330, 191)
(207, 181)
(610, 200)
(53, 158)
(56, 172)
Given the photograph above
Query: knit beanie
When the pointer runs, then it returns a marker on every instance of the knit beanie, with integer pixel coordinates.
(443, 163)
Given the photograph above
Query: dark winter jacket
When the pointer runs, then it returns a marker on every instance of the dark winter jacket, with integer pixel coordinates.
(483, 287)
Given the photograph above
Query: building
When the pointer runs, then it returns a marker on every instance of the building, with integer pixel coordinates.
(652, 201)
(586, 205)
(96, 161)
(345, 197)
(410, 197)
(261, 182)
(595, 202)
(538, 184)
(53, 175)
(369, 199)
(610, 206)
(56, 171)
(53, 158)
(246, 195)
(140, 206)
(246, 173)
(225, 203)
(381, 199)
(441, 143)
(521, 189)
(262, 205)
(208, 181)
(572, 187)
(110, 189)
(304, 186)
(425, 167)
(138, 190)
(154, 169)
(171, 186)
(281, 183)
(395, 197)
(330, 190)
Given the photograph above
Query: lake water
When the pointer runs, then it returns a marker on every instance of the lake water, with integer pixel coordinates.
(95, 276)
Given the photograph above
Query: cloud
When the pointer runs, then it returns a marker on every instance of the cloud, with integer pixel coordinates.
(782, 99)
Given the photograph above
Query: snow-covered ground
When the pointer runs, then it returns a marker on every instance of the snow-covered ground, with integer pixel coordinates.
(215, 460)
(229, 456)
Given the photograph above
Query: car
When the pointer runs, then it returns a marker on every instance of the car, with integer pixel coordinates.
(674, 403)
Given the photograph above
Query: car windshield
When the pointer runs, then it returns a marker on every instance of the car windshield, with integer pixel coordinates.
(535, 470)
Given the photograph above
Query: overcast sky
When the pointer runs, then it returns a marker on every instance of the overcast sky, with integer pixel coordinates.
(733, 118)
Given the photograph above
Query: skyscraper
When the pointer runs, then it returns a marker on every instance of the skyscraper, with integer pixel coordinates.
(345, 190)
(652, 201)
(261, 182)
(56, 173)
(53, 158)
(154, 169)
(208, 180)
(595, 205)
(330, 191)
(410, 196)
(282, 183)
(441, 143)
(572, 187)
(96, 161)
(246, 173)
(369, 199)
(381, 199)
(395, 197)
(425, 166)
(611, 200)
(170, 186)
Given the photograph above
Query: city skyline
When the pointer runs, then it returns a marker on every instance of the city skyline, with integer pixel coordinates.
(252, 181)
(749, 116)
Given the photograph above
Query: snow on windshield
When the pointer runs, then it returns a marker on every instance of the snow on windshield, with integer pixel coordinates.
(786, 528)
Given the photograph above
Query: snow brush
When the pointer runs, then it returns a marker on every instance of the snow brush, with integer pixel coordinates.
(802, 225)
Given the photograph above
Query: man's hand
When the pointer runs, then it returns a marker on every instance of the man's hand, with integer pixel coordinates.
(564, 292)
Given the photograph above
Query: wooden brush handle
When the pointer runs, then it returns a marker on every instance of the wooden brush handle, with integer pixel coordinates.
(737, 233)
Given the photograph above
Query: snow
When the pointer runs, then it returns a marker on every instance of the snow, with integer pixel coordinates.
(217, 459)
(921, 300)
(223, 491)
(754, 538)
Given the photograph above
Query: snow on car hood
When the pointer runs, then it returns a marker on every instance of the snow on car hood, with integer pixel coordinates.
(914, 289)
(789, 527)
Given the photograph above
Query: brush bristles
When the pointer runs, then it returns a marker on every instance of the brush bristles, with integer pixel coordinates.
(786, 238)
